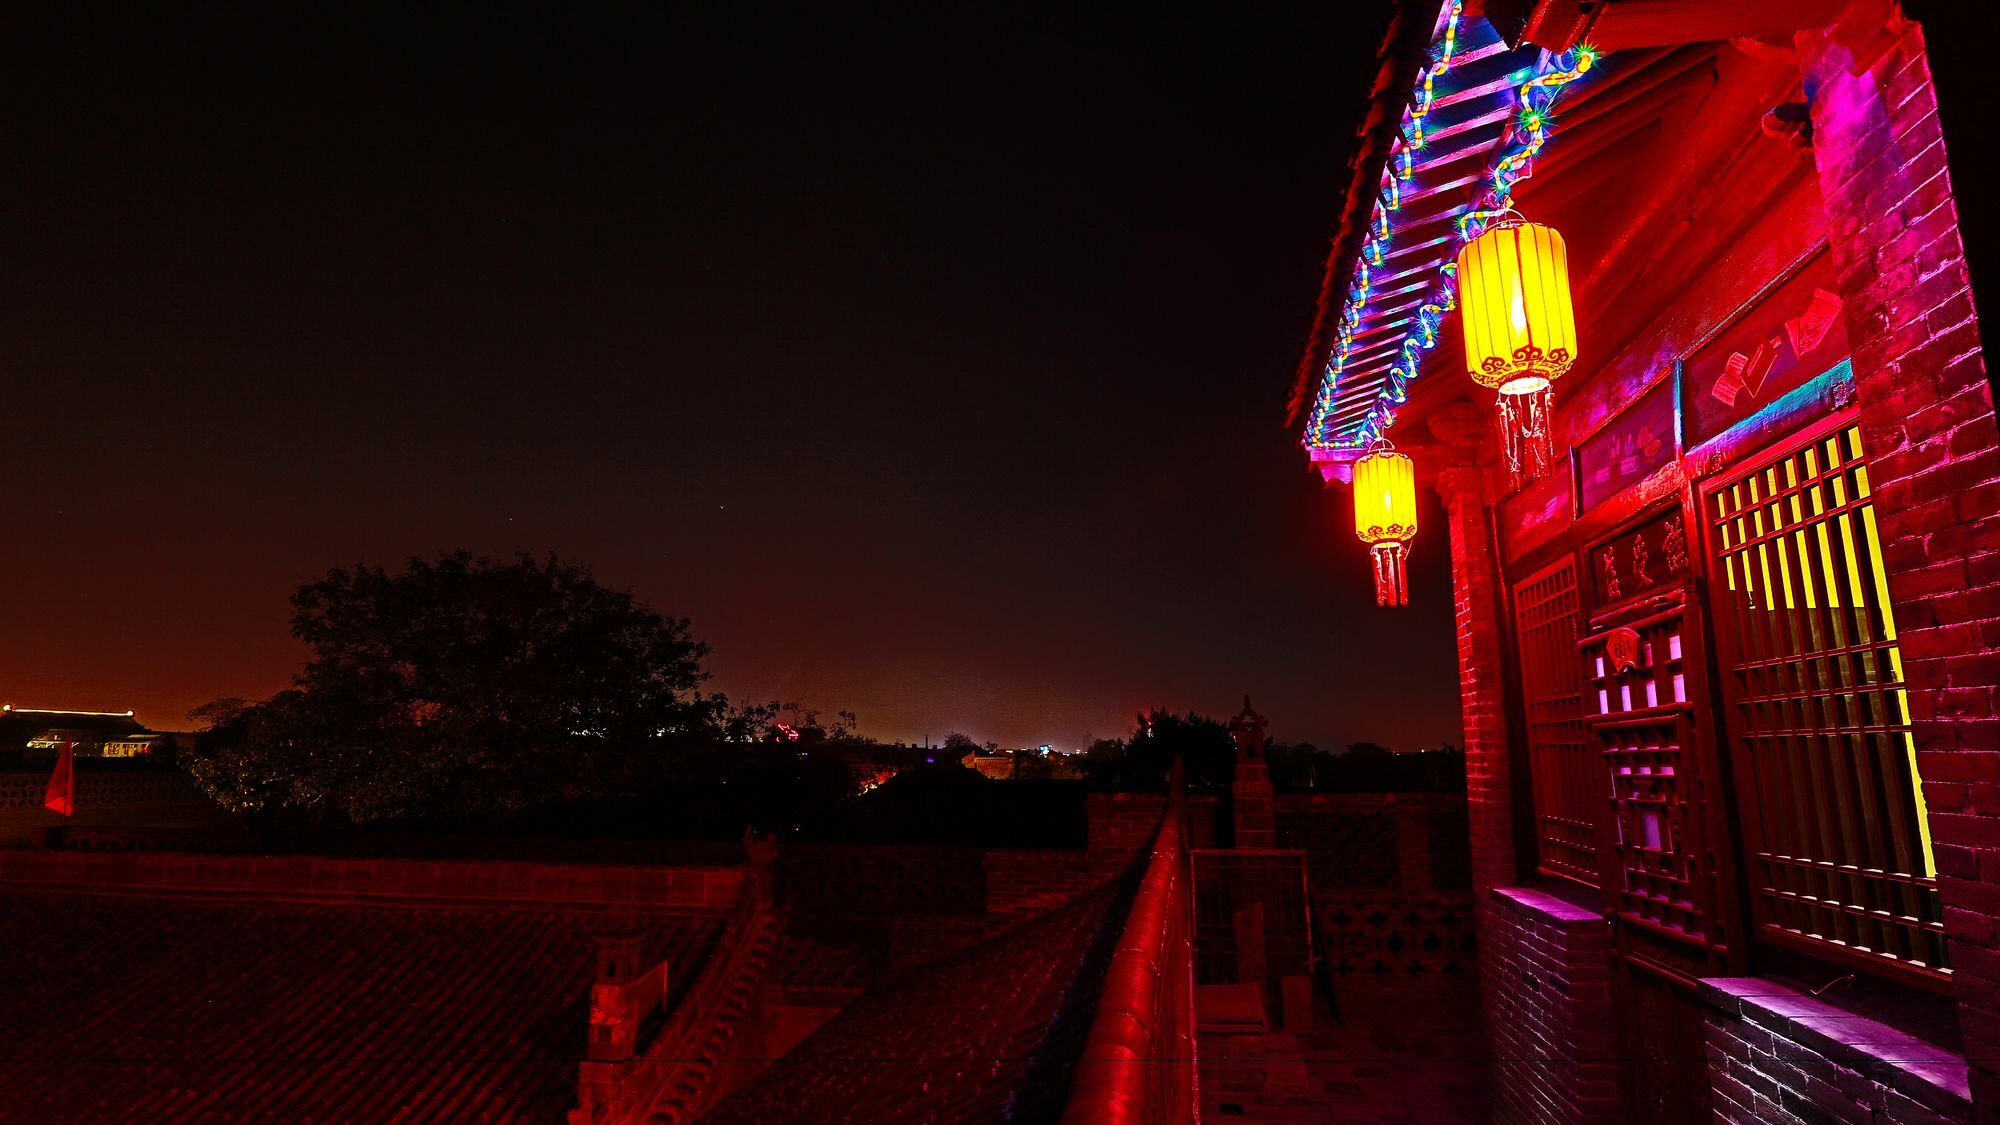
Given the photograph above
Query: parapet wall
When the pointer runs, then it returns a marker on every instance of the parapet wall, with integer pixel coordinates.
(1546, 977)
(1138, 1062)
(358, 880)
(1390, 882)
(161, 798)
(926, 901)
(1777, 1054)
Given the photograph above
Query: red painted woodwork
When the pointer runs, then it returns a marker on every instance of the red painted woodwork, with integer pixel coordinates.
(1564, 764)
(1670, 887)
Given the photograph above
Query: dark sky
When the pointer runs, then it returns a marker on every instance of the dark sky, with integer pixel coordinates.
(932, 364)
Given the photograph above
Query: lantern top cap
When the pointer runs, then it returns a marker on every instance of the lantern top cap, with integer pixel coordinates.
(1506, 218)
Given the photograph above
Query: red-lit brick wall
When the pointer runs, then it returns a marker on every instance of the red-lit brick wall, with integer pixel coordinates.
(1476, 599)
(1934, 457)
(1545, 976)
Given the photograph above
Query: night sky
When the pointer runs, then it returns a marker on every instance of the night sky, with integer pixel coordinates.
(933, 365)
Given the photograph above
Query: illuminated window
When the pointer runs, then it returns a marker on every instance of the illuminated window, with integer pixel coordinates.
(1819, 722)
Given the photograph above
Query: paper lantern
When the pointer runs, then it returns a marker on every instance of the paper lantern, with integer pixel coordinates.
(1520, 331)
(1385, 516)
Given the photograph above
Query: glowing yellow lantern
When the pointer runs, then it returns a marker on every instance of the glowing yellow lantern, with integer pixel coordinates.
(1385, 516)
(1520, 331)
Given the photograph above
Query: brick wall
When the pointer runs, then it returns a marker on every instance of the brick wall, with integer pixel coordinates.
(1391, 906)
(1250, 808)
(1476, 596)
(1122, 824)
(365, 879)
(1776, 1055)
(1545, 975)
(921, 903)
(1523, 966)
(1934, 456)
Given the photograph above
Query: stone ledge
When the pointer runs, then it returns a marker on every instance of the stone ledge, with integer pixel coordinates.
(1913, 1067)
(1541, 907)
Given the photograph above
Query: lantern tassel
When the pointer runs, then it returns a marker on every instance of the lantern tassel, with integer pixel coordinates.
(1391, 583)
(1524, 426)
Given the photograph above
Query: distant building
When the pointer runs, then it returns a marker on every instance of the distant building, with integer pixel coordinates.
(996, 764)
(1014, 765)
(94, 734)
(870, 767)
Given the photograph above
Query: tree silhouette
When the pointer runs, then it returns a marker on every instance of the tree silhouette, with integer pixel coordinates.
(461, 686)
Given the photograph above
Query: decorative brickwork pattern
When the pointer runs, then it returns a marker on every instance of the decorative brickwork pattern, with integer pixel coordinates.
(1776, 1055)
(1394, 944)
(1933, 455)
(126, 787)
(1545, 976)
(1346, 849)
(1389, 876)
(106, 797)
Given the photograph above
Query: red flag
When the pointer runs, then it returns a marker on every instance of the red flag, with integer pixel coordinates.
(62, 784)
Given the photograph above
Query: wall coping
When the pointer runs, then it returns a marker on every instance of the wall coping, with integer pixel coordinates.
(1541, 906)
(1914, 1067)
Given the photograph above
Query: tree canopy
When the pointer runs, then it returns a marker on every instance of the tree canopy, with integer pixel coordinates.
(462, 686)
(1145, 758)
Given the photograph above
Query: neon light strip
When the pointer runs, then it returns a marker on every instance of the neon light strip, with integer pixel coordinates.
(1529, 134)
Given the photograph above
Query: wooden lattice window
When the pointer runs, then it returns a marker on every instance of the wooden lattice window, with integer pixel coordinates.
(1570, 784)
(1839, 843)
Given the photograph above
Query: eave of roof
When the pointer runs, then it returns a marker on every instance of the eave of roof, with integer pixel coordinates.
(1416, 195)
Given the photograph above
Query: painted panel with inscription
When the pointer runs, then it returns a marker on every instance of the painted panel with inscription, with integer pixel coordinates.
(1630, 449)
(1783, 341)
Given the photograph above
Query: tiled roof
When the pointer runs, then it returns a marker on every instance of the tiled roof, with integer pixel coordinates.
(989, 1034)
(151, 1009)
(804, 961)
